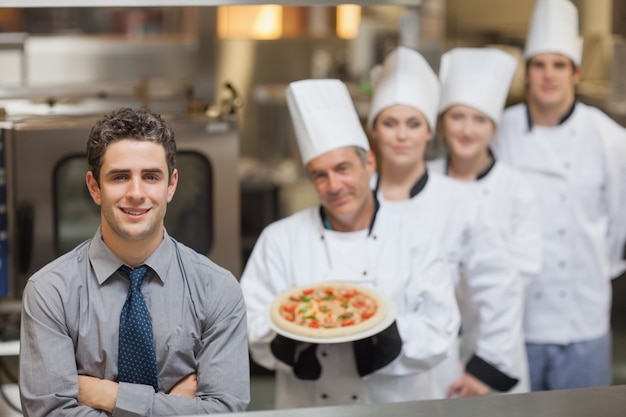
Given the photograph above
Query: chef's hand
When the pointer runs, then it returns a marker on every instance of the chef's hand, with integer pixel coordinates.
(301, 356)
(375, 352)
(99, 394)
(468, 386)
(186, 387)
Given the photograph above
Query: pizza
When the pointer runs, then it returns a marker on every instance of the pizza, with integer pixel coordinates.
(328, 310)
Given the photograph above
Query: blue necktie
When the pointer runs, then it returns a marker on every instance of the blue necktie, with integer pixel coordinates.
(137, 358)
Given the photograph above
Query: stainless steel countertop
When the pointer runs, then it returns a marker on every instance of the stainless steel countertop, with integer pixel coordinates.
(588, 402)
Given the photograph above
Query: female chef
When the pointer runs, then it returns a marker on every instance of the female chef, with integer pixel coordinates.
(402, 118)
(475, 83)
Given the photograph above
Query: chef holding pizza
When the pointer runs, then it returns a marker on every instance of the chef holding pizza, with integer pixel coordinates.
(402, 121)
(348, 238)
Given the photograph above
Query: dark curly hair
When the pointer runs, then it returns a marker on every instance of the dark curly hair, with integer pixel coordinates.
(127, 123)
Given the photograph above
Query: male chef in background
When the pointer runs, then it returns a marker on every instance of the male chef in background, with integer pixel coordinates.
(575, 157)
(347, 238)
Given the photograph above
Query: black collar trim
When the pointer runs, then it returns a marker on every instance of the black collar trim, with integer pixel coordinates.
(487, 170)
(481, 174)
(419, 185)
(565, 117)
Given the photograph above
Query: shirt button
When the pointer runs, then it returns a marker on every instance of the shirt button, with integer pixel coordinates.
(364, 273)
(324, 396)
(323, 354)
(355, 397)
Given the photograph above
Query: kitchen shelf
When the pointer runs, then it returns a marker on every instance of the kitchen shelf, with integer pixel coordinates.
(180, 3)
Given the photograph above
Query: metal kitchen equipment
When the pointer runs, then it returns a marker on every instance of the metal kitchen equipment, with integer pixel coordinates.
(49, 210)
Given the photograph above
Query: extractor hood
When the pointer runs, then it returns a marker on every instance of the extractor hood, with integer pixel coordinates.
(182, 3)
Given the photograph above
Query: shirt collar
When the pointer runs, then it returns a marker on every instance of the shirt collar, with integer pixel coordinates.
(105, 263)
(565, 117)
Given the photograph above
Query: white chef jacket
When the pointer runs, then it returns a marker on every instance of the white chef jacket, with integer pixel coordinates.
(509, 200)
(395, 259)
(479, 262)
(578, 171)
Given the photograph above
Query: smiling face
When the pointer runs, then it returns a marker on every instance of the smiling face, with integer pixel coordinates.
(467, 132)
(133, 191)
(341, 179)
(402, 134)
(551, 79)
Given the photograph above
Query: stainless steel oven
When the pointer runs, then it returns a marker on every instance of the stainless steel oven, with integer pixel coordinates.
(49, 210)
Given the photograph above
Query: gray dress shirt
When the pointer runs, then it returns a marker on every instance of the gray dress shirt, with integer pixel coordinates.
(70, 318)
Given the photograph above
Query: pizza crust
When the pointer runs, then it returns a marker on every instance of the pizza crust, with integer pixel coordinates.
(321, 332)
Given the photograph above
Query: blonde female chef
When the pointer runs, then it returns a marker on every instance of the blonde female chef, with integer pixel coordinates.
(402, 118)
(475, 84)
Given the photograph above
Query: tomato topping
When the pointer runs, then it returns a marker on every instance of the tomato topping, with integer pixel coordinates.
(314, 324)
(290, 317)
(330, 291)
(359, 304)
(289, 308)
(308, 291)
(367, 314)
(349, 293)
(348, 322)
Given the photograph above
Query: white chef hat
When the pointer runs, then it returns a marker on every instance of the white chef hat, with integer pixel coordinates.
(405, 78)
(323, 117)
(554, 29)
(476, 77)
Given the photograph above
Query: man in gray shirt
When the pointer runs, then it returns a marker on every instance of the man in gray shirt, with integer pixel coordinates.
(71, 314)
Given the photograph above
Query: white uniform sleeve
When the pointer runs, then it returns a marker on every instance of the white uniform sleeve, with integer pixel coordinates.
(432, 321)
(614, 141)
(496, 291)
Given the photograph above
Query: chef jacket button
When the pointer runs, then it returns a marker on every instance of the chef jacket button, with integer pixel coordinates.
(562, 232)
(485, 191)
(572, 132)
(324, 396)
(566, 165)
(538, 295)
(562, 264)
(374, 237)
(563, 197)
(323, 354)
(563, 294)
(355, 397)
(364, 273)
